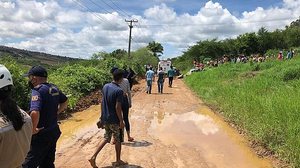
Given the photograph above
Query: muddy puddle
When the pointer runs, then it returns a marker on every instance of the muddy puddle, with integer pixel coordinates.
(201, 130)
(80, 125)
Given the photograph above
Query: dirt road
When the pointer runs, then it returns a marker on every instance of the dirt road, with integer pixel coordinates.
(174, 129)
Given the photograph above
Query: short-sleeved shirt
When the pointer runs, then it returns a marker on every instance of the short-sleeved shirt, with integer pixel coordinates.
(112, 94)
(14, 145)
(160, 75)
(125, 86)
(149, 74)
(46, 98)
(171, 73)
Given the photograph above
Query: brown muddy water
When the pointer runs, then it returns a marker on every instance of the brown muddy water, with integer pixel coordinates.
(79, 125)
(203, 130)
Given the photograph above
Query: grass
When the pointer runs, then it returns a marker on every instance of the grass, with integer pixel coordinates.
(262, 99)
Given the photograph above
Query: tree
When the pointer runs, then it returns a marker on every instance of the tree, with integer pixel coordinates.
(100, 55)
(143, 57)
(295, 23)
(155, 48)
(230, 47)
(248, 43)
(119, 53)
(292, 34)
(278, 39)
(264, 40)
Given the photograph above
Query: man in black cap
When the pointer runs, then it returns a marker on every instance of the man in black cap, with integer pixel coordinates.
(46, 102)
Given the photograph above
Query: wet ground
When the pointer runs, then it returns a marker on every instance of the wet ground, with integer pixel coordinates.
(174, 129)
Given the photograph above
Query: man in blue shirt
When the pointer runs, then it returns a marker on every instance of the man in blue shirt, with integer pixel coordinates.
(149, 78)
(171, 74)
(47, 101)
(111, 116)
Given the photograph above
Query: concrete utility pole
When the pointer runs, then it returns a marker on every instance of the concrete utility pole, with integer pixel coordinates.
(130, 27)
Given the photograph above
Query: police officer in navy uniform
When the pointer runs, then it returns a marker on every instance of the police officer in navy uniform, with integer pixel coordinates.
(47, 101)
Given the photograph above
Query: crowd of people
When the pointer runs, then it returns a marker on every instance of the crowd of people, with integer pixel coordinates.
(161, 75)
(255, 58)
(28, 139)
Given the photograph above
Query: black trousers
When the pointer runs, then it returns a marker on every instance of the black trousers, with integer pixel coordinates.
(125, 109)
(42, 150)
(130, 83)
(170, 81)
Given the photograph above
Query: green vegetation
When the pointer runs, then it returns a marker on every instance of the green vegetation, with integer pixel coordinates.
(20, 89)
(246, 44)
(262, 99)
(76, 78)
(156, 48)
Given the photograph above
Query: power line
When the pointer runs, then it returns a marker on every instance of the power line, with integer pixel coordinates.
(112, 7)
(120, 8)
(99, 6)
(99, 17)
(119, 11)
(208, 24)
(89, 9)
(139, 29)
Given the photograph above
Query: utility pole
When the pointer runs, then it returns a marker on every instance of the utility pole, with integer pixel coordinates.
(130, 27)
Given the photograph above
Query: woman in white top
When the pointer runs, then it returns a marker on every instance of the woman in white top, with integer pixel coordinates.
(15, 126)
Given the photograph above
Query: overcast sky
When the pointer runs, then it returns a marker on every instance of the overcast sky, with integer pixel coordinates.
(79, 28)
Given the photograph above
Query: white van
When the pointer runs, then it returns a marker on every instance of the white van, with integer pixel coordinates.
(165, 64)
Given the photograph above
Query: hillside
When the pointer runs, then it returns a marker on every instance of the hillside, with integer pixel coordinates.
(26, 57)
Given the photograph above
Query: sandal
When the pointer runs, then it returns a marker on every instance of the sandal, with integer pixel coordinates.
(130, 139)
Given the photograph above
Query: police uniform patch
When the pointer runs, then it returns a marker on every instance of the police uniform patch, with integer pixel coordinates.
(34, 98)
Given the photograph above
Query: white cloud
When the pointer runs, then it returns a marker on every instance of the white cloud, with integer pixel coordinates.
(160, 13)
(59, 28)
(7, 5)
(292, 4)
(35, 11)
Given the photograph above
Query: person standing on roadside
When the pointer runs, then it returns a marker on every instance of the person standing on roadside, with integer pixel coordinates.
(149, 78)
(280, 56)
(111, 117)
(131, 77)
(47, 101)
(160, 80)
(15, 125)
(125, 72)
(171, 74)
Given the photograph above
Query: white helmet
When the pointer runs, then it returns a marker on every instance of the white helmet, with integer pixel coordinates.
(5, 77)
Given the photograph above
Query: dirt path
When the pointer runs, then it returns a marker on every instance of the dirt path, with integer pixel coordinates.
(174, 129)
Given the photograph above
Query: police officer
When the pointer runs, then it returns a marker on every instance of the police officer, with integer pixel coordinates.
(47, 101)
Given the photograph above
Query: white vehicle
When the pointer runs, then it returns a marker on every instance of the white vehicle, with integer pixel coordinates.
(165, 64)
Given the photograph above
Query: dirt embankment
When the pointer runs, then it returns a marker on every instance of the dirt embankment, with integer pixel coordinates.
(174, 129)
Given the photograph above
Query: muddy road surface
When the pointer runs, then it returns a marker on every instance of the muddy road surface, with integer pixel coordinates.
(174, 129)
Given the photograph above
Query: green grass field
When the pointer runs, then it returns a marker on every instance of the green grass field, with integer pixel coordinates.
(263, 99)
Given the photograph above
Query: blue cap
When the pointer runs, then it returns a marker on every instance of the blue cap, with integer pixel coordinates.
(37, 71)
